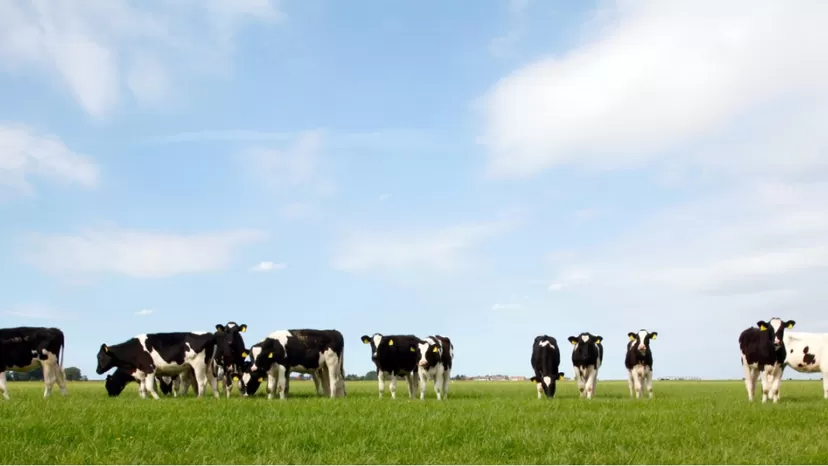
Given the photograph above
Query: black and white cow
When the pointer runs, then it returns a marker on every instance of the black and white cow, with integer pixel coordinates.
(546, 363)
(639, 362)
(169, 385)
(230, 355)
(395, 356)
(587, 356)
(316, 352)
(147, 356)
(763, 353)
(13, 351)
(434, 357)
(808, 353)
(35, 347)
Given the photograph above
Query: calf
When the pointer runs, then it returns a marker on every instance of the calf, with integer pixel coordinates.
(639, 362)
(315, 352)
(808, 353)
(394, 356)
(434, 357)
(546, 362)
(763, 352)
(158, 354)
(587, 355)
(37, 347)
(13, 351)
(230, 354)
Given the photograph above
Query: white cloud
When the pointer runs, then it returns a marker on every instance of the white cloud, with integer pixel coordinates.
(506, 307)
(661, 75)
(135, 253)
(439, 249)
(143, 312)
(267, 266)
(87, 42)
(25, 152)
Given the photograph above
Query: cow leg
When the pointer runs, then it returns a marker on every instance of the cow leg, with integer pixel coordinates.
(271, 386)
(282, 383)
(211, 379)
(446, 381)
(825, 383)
(411, 381)
(3, 386)
(750, 379)
(581, 381)
(423, 382)
(393, 385)
(149, 384)
(334, 368)
(60, 375)
(631, 382)
(381, 382)
(590, 382)
(438, 383)
(48, 377)
(766, 382)
(319, 382)
(648, 378)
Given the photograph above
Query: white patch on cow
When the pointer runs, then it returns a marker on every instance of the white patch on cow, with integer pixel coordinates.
(642, 335)
(584, 338)
(377, 339)
(547, 380)
(3, 387)
(547, 343)
(281, 335)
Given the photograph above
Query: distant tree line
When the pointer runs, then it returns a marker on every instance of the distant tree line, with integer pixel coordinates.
(72, 373)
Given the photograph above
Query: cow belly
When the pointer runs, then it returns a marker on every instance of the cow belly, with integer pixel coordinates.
(805, 357)
(27, 368)
(170, 369)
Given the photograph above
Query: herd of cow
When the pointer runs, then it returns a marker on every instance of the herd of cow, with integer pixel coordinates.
(175, 361)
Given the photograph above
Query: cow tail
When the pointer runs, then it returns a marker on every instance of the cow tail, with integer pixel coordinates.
(62, 350)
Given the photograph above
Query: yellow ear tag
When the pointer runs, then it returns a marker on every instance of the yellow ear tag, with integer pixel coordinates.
(244, 329)
(235, 379)
(597, 342)
(106, 349)
(762, 328)
(574, 343)
(560, 377)
(632, 338)
(244, 354)
(435, 350)
(390, 342)
(270, 356)
(790, 325)
(412, 349)
(260, 379)
(653, 337)
(365, 340)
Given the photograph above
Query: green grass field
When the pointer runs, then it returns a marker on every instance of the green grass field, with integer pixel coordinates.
(481, 423)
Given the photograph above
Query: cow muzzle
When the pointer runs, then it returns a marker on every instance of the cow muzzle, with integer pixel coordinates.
(253, 368)
(642, 348)
(423, 363)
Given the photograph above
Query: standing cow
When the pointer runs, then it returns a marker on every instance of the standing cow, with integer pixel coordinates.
(546, 363)
(394, 356)
(35, 347)
(230, 355)
(639, 362)
(587, 355)
(435, 355)
(158, 354)
(763, 352)
(307, 351)
(808, 353)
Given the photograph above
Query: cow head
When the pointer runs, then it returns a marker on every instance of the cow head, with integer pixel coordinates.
(428, 352)
(251, 383)
(641, 340)
(166, 384)
(548, 383)
(374, 341)
(117, 381)
(231, 342)
(106, 360)
(265, 354)
(776, 329)
(586, 345)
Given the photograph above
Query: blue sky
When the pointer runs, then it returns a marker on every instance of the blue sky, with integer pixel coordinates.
(487, 174)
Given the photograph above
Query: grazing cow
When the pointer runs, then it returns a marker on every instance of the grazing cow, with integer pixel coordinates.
(546, 362)
(316, 352)
(37, 347)
(763, 352)
(587, 355)
(434, 357)
(230, 355)
(639, 362)
(158, 354)
(395, 356)
(808, 353)
(169, 385)
(13, 351)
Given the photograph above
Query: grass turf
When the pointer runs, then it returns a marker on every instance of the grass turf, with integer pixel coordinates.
(481, 423)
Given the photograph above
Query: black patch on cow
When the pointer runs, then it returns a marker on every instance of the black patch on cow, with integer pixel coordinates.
(809, 359)
(395, 354)
(587, 353)
(546, 362)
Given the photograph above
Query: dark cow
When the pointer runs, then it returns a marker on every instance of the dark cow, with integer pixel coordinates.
(147, 356)
(36, 347)
(316, 352)
(434, 357)
(395, 356)
(639, 362)
(546, 363)
(230, 355)
(763, 352)
(12, 352)
(587, 356)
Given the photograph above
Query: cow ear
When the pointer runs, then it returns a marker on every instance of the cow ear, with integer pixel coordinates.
(244, 354)
(365, 339)
(104, 348)
(561, 376)
(762, 325)
(632, 336)
(243, 328)
(436, 349)
(598, 340)
(220, 327)
(390, 342)
(533, 379)
(260, 379)
(790, 324)
(573, 340)
(653, 335)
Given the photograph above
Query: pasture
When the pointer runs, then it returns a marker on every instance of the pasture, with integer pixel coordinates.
(481, 423)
